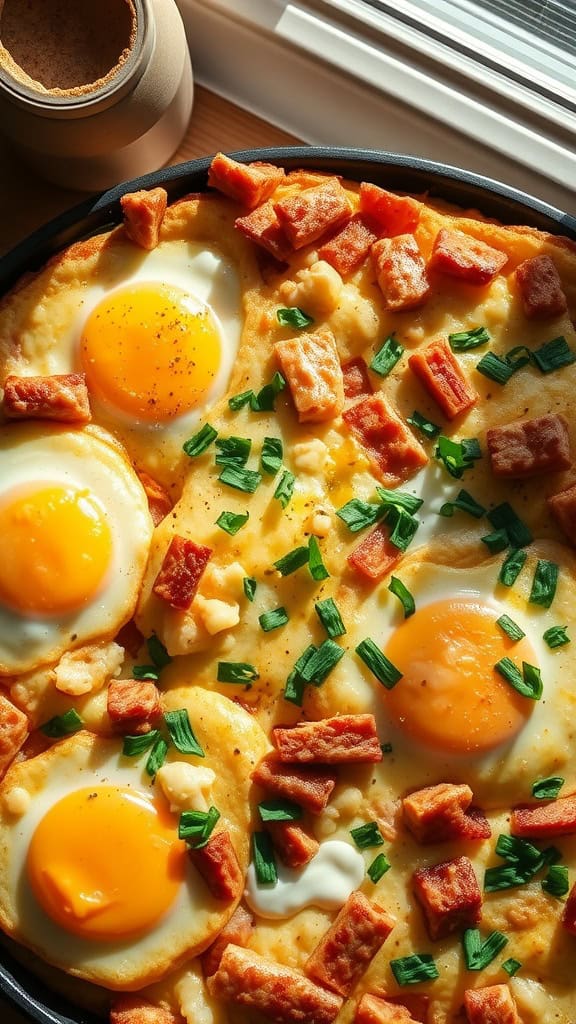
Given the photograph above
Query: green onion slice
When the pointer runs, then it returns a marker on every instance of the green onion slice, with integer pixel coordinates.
(265, 400)
(273, 619)
(329, 615)
(157, 756)
(556, 636)
(318, 570)
(368, 835)
(182, 733)
(503, 517)
(158, 652)
(556, 882)
(478, 954)
(380, 666)
(198, 444)
(133, 746)
(249, 584)
(512, 567)
(357, 514)
(279, 810)
(553, 355)
(295, 684)
(495, 368)
(387, 356)
(264, 859)
(544, 583)
(237, 402)
(496, 541)
(462, 341)
(240, 672)
(293, 316)
(285, 488)
(294, 560)
(424, 425)
(321, 662)
(247, 480)
(397, 588)
(508, 626)
(271, 456)
(62, 725)
(232, 522)
(196, 827)
(464, 502)
(379, 866)
(511, 966)
(409, 970)
(233, 451)
(146, 672)
(528, 682)
(548, 788)
(457, 456)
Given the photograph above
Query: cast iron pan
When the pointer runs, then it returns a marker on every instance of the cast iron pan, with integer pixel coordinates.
(392, 171)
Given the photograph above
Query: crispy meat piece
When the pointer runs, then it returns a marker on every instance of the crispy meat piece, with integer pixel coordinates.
(439, 371)
(356, 380)
(133, 705)
(436, 814)
(540, 288)
(292, 843)
(143, 214)
(159, 501)
(280, 993)
(530, 447)
(563, 508)
(249, 184)
(13, 732)
(569, 913)
(307, 215)
(311, 366)
(218, 864)
(182, 568)
(491, 1005)
(543, 821)
(133, 1009)
(309, 787)
(401, 272)
(375, 555)
(345, 951)
(449, 895)
(389, 213)
(263, 227)
(344, 739)
(393, 450)
(238, 931)
(460, 255)
(349, 247)
(373, 1010)
(62, 397)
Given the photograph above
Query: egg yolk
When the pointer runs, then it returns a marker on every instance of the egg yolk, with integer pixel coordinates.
(105, 863)
(151, 351)
(55, 549)
(450, 697)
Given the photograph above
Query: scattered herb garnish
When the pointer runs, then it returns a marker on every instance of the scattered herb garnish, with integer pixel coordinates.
(198, 444)
(462, 341)
(511, 628)
(182, 733)
(556, 636)
(279, 810)
(196, 827)
(397, 588)
(409, 970)
(368, 835)
(458, 456)
(233, 451)
(263, 859)
(512, 567)
(464, 502)
(293, 316)
(273, 619)
(285, 488)
(232, 522)
(544, 583)
(62, 725)
(329, 615)
(424, 425)
(548, 788)
(271, 456)
(478, 954)
(387, 356)
(379, 866)
(380, 666)
(240, 672)
(528, 682)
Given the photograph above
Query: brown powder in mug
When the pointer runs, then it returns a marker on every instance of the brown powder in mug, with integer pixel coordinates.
(65, 47)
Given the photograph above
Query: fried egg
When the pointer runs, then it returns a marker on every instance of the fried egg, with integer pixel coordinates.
(94, 877)
(74, 536)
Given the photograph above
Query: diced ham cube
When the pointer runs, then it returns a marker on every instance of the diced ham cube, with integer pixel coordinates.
(309, 214)
(217, 862)
(373, 1010)
(62, 397)
(159, 501)
(238, 931)
(375, 555)
(349, 247)
(390, 445)
(540, 288)
(249, 184)
(391, 214)
(13, 732)
(400, 272)
(263, 227)
(345, 951)
(439, 371)
(356, 380)
(143, 213)
(309, 787)
(491, 1005)
(134, 1009)
(292, 843)
(182, 568)
(436, 814)
(563, 507)
(530, 447)
(311, 366)
(544, 821)
(279, 993)
(460, 255)
(133, 705)
(569, 913)
(344, 739)
(449, 895)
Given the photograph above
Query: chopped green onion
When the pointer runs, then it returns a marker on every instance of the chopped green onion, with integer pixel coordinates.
(285, 488)
(237, 402)
(387, 356)
(544, 583)
(368, 835)
(511, 966)
(464, 502)
(425, 426)
(263, 859)
(400, 500)
(231, 522)
(327, 612)
(385, 672)
(465, 340)
(518, 357)
(504, 517)
(318, 570)
(457, 456)
(293, 316)
(357, 514)
(198, 444)
(404, 526)
(249, 584)
(273, 619)
(549, 788)
(321, 662)
(279, 810)
(495, 368)
(182, 733)
(158, 652)
(271, 456)
(556, 636)
(196, 827)
(266, 397)
(246, 480)
(397, 588)
(233, 451)
(62, 725)
(556, 882)
(553, 355)
(133, 746)
(295, 684)
(512, 567)
(409, 970)
(150, 672)
(478, 954)
(236, 672)
(157, 756)
(517, 851)
(508, 626)
(379, 866)
(496, 541)
(294, 560)
(528, 682)
(524, 861)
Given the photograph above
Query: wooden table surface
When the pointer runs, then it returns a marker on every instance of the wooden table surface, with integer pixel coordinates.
(27, 202)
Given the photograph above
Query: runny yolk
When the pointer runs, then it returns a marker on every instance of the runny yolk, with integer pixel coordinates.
(55, 549)
(450, 698)
(105, 863)
(150, 351)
